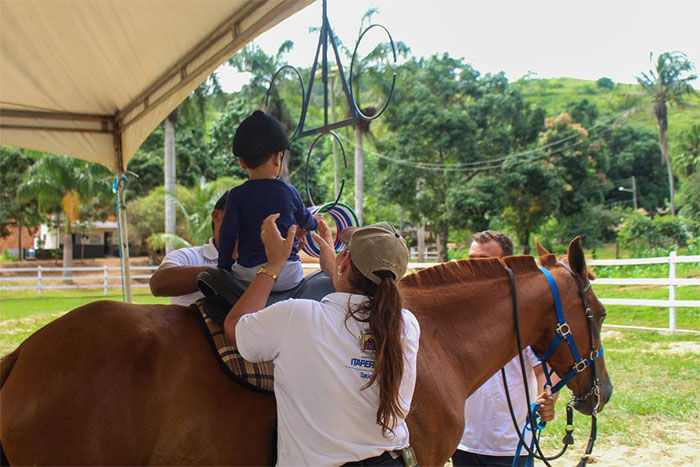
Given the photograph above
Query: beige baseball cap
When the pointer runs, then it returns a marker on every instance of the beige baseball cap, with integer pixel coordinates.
(377, 247)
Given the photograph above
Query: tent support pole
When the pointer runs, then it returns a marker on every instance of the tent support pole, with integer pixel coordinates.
(123, 231)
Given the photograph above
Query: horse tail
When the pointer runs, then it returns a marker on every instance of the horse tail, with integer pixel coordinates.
(6, 365)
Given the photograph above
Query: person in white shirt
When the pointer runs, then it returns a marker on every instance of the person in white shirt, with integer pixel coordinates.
(176, 277)
(345, 367)
(489, 435)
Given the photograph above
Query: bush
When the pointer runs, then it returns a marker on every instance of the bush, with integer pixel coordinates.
(640, 232)
(6, 256)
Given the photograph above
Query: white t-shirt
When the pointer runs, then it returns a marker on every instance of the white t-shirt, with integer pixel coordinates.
(321, 363)
(488, 426)
(203, 255)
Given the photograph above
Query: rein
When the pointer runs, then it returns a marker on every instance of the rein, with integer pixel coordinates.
(563, 333)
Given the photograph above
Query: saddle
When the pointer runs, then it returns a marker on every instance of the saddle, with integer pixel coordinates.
(221, 292)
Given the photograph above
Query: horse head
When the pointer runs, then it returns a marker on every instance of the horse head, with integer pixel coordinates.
(580, 364)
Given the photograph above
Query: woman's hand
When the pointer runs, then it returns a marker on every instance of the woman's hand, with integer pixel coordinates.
(324, 240)
(277, 248)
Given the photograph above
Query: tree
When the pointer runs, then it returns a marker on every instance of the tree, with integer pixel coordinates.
(533, 187)
(193, 107)
(687, 164)
(634, 151)
(262, 67)
(451, 127)
(62, 184)
(13, 212)
(605, 83)
(431, 127)
(667, 83)
(195, 205)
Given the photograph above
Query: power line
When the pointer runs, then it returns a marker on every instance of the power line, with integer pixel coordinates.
(488, 164)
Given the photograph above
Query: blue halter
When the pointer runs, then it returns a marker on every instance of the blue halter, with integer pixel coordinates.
(564, 333)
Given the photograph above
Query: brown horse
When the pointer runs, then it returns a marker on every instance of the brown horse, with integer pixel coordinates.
(113, 383)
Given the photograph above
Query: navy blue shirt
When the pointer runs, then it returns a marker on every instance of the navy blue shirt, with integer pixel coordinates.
(247, 206)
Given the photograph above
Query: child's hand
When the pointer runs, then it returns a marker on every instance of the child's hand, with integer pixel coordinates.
(301, 238)
(324, 240)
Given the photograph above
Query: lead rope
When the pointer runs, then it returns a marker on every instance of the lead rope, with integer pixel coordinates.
(532, 423)
(531, 418)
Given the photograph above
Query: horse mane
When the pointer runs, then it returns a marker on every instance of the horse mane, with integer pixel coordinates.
(456, 271)
(521, 264)
(469, 270)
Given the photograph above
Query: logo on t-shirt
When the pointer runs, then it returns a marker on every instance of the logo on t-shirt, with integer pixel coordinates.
(367, 343)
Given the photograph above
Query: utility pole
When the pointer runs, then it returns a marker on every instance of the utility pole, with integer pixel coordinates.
(633, 190)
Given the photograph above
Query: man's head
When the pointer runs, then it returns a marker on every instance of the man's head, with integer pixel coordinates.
(217, 215)
(258, 138)
(490, 244)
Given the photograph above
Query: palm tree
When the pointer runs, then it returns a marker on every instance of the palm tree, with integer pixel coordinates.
(262, 67)
(194, 110)
(668, 82)
(62, 185)
(195, 204)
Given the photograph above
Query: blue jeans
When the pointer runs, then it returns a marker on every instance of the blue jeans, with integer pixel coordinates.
(468, 459)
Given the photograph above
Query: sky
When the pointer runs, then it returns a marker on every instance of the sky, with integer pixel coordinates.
(548, 39)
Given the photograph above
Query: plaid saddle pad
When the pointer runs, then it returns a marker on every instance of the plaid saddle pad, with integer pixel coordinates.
(256, 376)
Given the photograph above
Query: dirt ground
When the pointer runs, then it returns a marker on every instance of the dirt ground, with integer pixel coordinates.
(653, 453)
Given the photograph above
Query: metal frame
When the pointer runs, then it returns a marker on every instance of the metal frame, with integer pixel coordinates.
(357, 115)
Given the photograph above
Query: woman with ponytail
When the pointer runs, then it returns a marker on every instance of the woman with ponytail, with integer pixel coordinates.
(345, 367)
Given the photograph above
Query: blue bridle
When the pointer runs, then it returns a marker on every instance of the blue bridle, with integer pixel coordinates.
(563, 333)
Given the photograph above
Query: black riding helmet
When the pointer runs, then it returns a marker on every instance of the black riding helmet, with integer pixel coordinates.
(258, 137)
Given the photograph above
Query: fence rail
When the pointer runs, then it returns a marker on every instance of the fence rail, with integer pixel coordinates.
(672, 282)
(106, 281)
(103, 281)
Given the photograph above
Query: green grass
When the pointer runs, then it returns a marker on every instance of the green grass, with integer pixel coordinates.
(22, 312)
(21, 303)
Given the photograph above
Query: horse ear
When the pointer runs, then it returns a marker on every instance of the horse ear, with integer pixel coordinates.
(577, 259)
(545, 257)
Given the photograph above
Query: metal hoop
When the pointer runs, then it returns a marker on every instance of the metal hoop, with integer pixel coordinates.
(301, 81)
(343, 216)
(308, 159)
(393, 80)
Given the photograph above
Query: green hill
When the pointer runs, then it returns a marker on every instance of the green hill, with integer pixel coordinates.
(557, 94)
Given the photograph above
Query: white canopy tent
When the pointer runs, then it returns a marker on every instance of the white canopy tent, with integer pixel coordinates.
(92, 78)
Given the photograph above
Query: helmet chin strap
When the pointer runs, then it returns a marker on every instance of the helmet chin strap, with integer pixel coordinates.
(279, 174)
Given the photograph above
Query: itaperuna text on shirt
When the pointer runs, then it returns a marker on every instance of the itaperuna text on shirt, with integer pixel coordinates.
(361, 365)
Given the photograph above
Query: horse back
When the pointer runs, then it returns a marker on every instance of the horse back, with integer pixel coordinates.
(116, 383)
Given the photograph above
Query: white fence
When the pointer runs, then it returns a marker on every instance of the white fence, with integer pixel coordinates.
(105, 280)
(109, 277)
(672, 282)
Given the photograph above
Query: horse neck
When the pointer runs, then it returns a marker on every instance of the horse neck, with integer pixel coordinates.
(468, 328)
